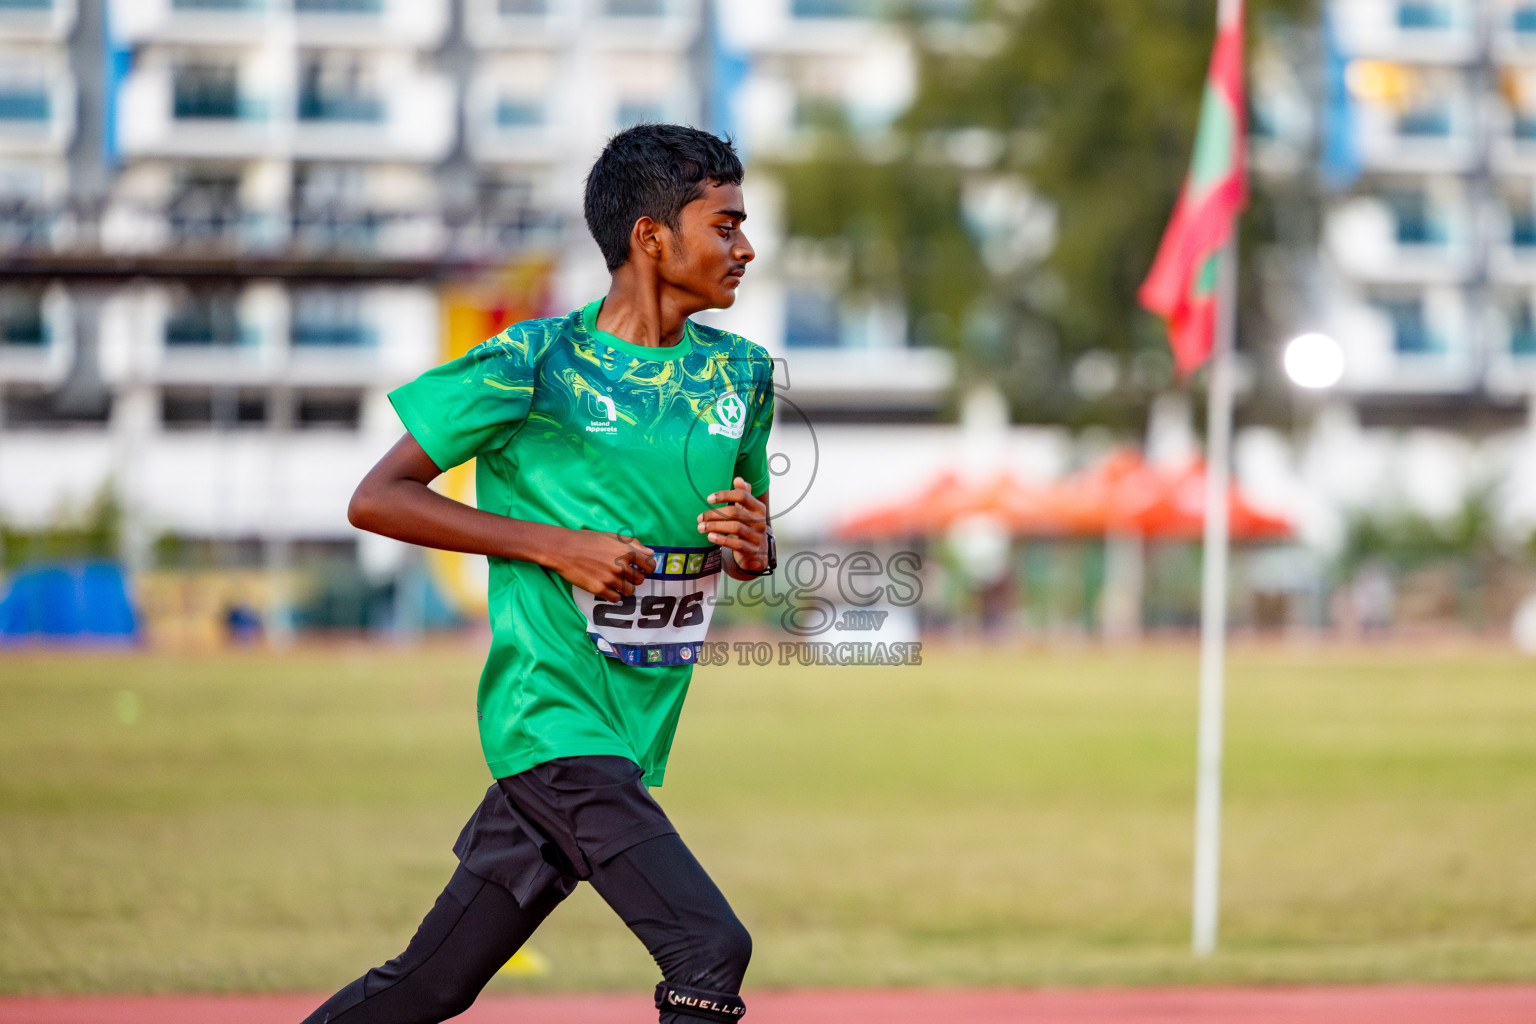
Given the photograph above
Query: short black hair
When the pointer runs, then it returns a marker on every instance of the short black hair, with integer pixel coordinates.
(652, 170)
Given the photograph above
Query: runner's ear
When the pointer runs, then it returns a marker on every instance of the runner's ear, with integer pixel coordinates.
(646, 237)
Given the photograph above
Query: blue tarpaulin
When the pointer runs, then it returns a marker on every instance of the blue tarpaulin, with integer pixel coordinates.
(1340, 156)
(82, 602)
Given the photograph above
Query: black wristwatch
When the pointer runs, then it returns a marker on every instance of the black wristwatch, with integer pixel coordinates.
(773, 559)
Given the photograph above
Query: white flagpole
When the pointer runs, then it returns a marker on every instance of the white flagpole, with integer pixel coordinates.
(1213, 610)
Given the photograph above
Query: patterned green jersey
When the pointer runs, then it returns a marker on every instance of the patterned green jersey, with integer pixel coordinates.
(576, 427)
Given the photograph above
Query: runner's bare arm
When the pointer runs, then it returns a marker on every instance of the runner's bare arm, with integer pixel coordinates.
(740, 528)
(395, 501)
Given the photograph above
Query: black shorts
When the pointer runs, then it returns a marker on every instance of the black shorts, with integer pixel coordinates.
(549, 825)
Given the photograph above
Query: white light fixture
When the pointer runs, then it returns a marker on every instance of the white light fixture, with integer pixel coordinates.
(1314, 361)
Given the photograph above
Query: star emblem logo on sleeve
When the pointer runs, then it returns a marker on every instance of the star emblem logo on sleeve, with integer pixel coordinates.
(731, 411)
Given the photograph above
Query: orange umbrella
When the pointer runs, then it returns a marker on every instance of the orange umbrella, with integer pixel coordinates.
(947, 499)
(1122, 494)
(1180, 510)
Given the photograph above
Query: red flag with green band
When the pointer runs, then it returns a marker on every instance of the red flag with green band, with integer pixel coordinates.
(1181, 287)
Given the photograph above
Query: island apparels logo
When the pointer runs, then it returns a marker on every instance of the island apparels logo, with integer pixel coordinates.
(604, 415)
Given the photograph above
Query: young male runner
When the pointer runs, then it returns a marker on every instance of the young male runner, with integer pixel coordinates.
(603, 438)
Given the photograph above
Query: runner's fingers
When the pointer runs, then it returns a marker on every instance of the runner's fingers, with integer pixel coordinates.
(643, 558)
(725, 540)
(618, 582)
(741, 541)
(729, 495)
(738, 513)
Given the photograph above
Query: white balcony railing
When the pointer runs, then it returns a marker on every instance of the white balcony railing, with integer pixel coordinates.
(194, 22)
(417, 24)
(1433, 31)
(667, 25)
(1514, 31)
(154, 121)
(1406, 340)
(36, 20)
(1370, 239)
(521, 24)
(37, 346)
(1435, 135)
(410, 24)
(414, 121)
(411, 118)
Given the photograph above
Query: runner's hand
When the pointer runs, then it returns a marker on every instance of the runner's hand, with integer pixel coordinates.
(741, 526)
(605, 564)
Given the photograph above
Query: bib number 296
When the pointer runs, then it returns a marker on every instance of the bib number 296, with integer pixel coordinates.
(657, 611)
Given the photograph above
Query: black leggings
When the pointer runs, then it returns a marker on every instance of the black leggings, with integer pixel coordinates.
(657, 887)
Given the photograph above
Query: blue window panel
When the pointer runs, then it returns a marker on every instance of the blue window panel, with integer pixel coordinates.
(812, 319)
(1422, 14)
(831, 8)
(24, 332)
(635, 8)
(1522, 332)
(26, 5)
(338, 6)
(28, 105)
(218, 5)
(211, 92)
(519, 114)
(191, 334)
(1261, 122)
(1425, 123)
(326, 230)
(206, 104)
(1524, 18)
(1522, 229)
(523, 8)
(316, 107)
(331, 335)
(1417, 223)
(208, 322)
(1410, 334)
(328, 317)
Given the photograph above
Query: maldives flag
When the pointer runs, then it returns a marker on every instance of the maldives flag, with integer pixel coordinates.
(1182, 285)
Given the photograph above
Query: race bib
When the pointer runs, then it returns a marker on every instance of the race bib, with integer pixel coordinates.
(664, 621)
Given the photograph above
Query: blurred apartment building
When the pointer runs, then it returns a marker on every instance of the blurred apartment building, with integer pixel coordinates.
(227, 227)
(1429, 276)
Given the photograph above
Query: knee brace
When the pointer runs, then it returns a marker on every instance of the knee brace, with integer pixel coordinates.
(725, 1007)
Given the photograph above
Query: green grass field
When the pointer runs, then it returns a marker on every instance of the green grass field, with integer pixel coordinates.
(261, 822)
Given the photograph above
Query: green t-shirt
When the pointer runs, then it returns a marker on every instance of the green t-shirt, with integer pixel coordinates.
(576, 427)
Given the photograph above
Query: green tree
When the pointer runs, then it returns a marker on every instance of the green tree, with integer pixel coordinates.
(94, 531)
(1091, 104)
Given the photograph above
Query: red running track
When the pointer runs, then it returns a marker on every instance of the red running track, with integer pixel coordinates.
(1344, 1005)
